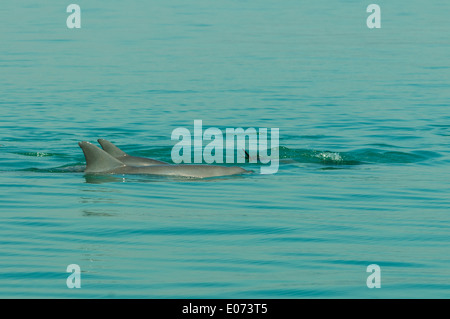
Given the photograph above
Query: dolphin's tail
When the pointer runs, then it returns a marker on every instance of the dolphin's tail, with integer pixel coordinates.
(111, 149)
(247, 156)
(97, 160)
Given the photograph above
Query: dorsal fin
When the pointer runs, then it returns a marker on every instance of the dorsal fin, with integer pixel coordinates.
(97, 160)
(110, 148)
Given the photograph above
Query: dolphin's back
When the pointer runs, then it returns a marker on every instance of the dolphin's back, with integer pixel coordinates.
(186, 170)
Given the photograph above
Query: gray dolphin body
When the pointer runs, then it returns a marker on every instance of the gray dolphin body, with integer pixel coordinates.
(99, 161)
(117, 153)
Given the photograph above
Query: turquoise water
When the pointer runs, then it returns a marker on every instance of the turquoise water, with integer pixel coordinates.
(364, 119)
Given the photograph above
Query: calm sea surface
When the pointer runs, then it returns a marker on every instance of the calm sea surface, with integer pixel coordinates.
(364, 120)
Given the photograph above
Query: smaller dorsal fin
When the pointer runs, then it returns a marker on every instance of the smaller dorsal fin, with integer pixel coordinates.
(111, 149)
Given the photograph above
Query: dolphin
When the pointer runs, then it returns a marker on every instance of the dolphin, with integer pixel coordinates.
(117, 153)
(100, 162)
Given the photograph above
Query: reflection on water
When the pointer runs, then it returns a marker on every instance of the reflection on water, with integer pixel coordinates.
(97, 200)
(100, 179)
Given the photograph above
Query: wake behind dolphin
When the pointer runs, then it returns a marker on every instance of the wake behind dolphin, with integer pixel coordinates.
(100, 161)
